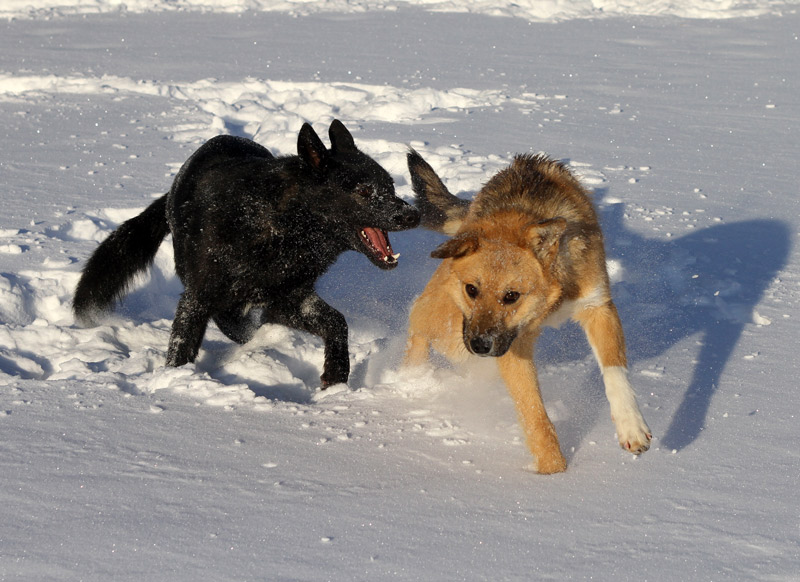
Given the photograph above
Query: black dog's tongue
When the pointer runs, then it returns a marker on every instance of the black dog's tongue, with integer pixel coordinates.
(378, 241)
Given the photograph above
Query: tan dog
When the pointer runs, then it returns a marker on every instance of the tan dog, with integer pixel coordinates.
(527, 252)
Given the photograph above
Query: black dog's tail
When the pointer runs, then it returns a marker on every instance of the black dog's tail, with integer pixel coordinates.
(440, 210)
(127, 251)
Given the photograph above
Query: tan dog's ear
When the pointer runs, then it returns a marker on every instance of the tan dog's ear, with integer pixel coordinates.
(459, 246)
(545, 236)
(440, 210)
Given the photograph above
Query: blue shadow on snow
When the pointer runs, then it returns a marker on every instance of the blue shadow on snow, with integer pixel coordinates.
(707, 284)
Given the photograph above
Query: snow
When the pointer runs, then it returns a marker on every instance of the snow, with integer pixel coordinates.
(683, 118)
(532, 10)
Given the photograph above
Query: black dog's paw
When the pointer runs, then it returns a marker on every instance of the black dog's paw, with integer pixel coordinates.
(329, 378)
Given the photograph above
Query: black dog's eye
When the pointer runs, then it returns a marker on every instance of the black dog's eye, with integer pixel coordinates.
(365, 191)
(510, 297)
(472, 291)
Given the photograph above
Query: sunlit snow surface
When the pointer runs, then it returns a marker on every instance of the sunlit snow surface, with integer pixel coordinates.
(681, 116)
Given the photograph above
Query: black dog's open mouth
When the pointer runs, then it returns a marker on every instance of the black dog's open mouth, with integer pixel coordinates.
(377, 242)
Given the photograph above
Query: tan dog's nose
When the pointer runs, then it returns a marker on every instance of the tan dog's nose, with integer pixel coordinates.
(480, 346)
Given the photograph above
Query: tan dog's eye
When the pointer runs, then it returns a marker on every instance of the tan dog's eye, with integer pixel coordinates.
(472, 291)
(510, 297)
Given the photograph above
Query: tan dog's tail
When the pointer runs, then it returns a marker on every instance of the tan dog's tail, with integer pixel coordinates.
(440, 210)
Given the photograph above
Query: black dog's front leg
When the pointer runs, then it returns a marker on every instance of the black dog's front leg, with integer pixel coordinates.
(313, 315)
(188, 329)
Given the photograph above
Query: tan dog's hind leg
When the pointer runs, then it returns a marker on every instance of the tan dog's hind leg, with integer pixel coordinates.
(604, 331)
(519, 373)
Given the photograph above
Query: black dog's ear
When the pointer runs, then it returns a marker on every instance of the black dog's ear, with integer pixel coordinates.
(459, 246)
(310, 148)
(341, 140)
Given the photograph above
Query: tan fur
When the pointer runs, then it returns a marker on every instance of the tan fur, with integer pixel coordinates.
(526, 252)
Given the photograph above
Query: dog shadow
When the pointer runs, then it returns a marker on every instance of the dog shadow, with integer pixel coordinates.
(706, 284)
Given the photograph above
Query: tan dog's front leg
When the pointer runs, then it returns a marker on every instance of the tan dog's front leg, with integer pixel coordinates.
(417, 350)
(519, 373)
(604, 331)
(434, 322)
(418, 344)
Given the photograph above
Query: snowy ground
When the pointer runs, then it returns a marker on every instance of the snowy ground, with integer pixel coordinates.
(682, 116)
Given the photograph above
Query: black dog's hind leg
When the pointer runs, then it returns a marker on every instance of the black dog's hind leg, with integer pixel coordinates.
(311, 314)
(188, 328)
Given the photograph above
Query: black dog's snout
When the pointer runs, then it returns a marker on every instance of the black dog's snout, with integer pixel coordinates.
(480, 346)
(408, 218)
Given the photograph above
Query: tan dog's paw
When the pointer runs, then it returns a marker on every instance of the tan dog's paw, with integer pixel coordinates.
(633, 433)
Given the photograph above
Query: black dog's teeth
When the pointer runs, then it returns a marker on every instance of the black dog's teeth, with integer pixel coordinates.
(387, 258)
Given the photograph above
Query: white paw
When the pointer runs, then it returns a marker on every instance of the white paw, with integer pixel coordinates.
(632, 431)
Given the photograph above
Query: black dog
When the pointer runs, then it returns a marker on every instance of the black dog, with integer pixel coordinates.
(252, 234)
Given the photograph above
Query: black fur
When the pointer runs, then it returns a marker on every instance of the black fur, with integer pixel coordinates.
(252, 234)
